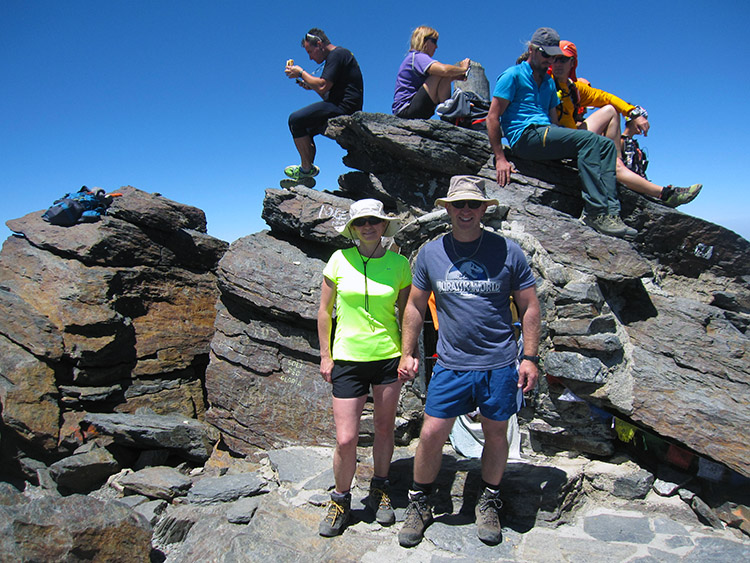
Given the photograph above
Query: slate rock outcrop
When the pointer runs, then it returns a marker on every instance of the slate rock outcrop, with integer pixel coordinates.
(104, 317)
(73, 528)
(107, 330)
(654, 331)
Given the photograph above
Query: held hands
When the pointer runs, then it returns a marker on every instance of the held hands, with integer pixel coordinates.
(407, 367)
(326, 367)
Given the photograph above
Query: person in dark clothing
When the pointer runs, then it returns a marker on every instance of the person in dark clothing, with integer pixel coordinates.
(341, 88)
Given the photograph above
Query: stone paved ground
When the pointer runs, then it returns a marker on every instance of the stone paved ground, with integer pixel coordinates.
(597, 534)
(597, 528)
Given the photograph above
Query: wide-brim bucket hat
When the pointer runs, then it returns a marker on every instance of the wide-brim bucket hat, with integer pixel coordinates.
(466, 187)
(369, 208)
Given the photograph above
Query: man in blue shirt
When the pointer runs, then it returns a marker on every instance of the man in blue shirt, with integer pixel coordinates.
(473, 274)
(523, 109)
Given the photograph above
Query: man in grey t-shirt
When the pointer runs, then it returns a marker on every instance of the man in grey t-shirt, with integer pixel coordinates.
(473, 274)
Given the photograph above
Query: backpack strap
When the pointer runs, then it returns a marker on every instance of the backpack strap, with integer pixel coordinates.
(575, 98)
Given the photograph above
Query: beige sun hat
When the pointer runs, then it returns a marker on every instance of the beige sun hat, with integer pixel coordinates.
(369, 208)
(466, 187)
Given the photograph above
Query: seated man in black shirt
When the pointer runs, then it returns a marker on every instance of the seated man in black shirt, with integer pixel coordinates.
(341, 88)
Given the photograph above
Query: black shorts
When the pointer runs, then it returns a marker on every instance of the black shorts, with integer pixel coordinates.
(421, 106)
(353, 379)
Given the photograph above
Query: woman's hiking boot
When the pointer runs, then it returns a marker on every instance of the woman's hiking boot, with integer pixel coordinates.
(380, 503)
(672, 197)
(339, 510)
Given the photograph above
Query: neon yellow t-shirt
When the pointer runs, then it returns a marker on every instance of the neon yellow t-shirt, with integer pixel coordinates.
(372, 333)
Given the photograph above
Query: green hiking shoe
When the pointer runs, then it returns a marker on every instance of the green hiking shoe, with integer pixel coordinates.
(380, 503)
(336, 518)
(487, 513)
(306, 181)
(295, 172)
(610, 225)
(418, 517)
(681, 196)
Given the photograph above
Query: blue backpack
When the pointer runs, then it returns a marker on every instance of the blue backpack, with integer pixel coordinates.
(83, 206)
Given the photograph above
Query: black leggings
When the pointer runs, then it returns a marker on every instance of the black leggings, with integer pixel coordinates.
(312, 120)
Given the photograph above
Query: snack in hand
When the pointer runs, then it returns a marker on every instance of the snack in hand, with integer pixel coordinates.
(290, 62)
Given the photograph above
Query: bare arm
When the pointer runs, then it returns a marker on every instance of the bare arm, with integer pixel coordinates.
(495, 133)
(325, 316)
(454, 72)
(529, 313)
(403, 298)
(308, 81)
(411, 326)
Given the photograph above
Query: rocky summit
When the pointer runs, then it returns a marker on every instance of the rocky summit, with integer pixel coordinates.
(161, 398)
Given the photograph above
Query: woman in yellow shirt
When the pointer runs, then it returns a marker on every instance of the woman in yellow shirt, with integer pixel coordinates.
(366, 283)
(576, 95)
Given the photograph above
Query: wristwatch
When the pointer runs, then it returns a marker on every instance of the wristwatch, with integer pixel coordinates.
(637, 111)
(534, 359)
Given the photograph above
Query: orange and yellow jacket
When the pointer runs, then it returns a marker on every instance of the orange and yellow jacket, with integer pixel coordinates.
(589, 96)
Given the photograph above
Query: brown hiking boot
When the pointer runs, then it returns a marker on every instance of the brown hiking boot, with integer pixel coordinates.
(487, 513)
(418, 517)
(610, 225)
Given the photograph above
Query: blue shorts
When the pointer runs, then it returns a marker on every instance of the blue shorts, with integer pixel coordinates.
(453, 393)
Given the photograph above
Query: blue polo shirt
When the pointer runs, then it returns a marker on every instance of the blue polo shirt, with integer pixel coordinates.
(529, 104)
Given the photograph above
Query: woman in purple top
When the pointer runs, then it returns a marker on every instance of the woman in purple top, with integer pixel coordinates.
(422, 82)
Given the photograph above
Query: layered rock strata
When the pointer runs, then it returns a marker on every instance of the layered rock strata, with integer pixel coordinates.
(104, 317)
(653, 331)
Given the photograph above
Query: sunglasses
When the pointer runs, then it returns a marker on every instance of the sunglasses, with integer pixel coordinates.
(431, 39)
(472, 203)
(362, 221)
(310, 38)
(561, 59)
(543, 53)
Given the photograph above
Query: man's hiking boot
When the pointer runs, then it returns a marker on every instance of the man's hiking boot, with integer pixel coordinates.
(610, 225)
(487, 513)
(304, 181)
(681, 196)
(336, 518)
(418, 517)
(295, 172)
(380, 503)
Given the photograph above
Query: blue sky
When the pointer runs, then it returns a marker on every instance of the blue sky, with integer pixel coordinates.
(189, 99)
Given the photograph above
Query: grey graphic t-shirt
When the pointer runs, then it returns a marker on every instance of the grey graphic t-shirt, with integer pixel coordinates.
(472, 294)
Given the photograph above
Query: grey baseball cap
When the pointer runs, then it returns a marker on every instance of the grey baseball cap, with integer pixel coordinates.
(548, 39)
